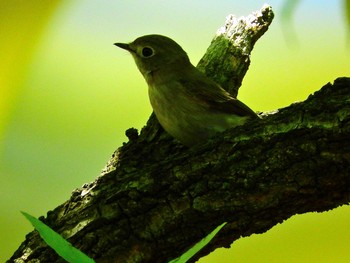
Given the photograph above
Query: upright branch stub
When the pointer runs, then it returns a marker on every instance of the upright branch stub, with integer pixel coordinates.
(227, 59)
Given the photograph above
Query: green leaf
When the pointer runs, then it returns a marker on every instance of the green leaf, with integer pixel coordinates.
(347, 18)
(192, 251)
(288, 9)
(287, 12)
(58, 243)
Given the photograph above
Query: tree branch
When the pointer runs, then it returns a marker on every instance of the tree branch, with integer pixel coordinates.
(227, 59)
(157, 198)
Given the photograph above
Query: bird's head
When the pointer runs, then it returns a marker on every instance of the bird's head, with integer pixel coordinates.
(153, 52)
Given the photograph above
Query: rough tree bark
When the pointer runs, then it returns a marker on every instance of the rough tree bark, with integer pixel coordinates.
(157, 198)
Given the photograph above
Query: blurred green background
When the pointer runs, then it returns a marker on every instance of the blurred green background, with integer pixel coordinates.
(68, 95)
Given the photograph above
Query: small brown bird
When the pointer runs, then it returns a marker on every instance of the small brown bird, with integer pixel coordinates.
(190, 106)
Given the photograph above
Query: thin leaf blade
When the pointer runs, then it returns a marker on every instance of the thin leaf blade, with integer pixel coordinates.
(197, 247)
(58, 243)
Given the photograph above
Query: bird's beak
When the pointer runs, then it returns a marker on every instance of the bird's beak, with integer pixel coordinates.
(124, 46)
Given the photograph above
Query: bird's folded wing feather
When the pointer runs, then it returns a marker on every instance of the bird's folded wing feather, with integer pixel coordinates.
(209, 94)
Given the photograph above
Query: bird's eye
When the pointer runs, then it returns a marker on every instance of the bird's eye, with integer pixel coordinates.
(147, 52)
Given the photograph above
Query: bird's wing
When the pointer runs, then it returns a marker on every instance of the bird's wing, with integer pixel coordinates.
(211, 95)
